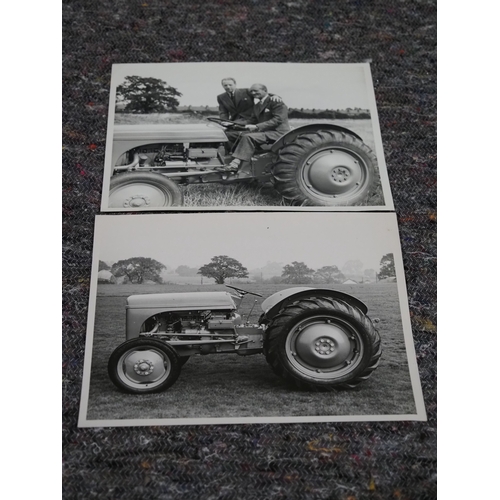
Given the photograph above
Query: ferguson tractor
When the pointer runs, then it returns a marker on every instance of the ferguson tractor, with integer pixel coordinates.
(315, 339)
(318, 164)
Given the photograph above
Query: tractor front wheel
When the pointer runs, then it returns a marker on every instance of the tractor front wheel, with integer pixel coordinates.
(320, 343)
(143, 190)
(144, 366)
(325, 168)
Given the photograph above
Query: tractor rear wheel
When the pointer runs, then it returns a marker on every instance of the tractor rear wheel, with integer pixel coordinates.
(144, 366)
(143, 190)
(326, 168)
(320, 343)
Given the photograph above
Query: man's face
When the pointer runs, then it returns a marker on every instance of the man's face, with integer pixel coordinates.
(257, 92)
(229, 86)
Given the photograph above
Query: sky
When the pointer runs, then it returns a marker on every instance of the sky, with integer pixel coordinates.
(318, 86)
(318, 239)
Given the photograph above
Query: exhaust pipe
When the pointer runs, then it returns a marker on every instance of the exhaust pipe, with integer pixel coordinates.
(130, 166)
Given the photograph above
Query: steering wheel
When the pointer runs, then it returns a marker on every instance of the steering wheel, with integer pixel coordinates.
(244, 292)
(227, 124)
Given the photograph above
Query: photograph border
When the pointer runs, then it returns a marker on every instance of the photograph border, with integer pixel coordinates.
(420, 414)
(118, 73)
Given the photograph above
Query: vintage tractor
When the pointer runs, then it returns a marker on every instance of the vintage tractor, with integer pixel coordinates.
(314, 338)
(318, 164)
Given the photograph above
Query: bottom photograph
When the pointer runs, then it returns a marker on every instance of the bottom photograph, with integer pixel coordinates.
(219, 318)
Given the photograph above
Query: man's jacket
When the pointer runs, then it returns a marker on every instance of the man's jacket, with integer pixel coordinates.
(270, 115)
(238, 109)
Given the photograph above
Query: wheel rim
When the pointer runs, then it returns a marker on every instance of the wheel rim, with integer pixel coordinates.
(143, 368)
(136, 195)
(324, 347)
(334, 173)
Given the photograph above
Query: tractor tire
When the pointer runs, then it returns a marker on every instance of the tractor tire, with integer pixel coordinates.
(325, 168)
(322, 344)
(144, 366)
(143, 190)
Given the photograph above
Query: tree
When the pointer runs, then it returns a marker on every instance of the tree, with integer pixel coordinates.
(186, 271)
(328, 274)
(267, 271)
(297, 272)
(387, 268)
(139, 269)
(103, 266)
(147, 95)
(222, 267)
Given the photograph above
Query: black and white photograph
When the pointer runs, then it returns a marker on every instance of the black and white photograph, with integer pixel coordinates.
(217, 318)
(244, 136)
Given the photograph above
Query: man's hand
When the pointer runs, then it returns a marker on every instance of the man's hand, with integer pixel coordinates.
(252, 128)
(276, 98)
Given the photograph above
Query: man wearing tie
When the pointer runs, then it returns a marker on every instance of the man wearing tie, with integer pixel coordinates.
(234, 104)
(269, 121)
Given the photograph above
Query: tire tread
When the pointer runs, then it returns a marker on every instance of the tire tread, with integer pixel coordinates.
(284, 171)
(277, 329)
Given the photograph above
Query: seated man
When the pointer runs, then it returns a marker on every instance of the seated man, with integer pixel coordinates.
(268, 123)
(236, 105)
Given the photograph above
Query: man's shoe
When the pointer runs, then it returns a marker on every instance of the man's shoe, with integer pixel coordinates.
(232, 167)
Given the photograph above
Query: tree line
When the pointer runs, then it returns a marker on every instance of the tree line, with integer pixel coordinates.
(138, 270)
(144, 95)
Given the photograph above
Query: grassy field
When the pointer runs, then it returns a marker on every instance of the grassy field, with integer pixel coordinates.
(253, 194)
(226, 385)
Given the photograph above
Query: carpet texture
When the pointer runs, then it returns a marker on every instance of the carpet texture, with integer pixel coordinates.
(355, 461)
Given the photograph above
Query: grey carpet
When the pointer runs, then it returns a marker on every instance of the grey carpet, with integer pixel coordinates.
(393, 460)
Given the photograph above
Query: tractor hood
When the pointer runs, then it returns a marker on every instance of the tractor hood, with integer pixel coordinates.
(196, 132)
(272, 304)
(182, 301)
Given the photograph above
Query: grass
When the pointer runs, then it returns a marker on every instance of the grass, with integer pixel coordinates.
(253, 194)
(157, 119)
(242, 194)
(226, 385)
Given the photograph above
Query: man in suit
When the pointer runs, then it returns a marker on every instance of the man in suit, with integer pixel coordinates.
(234, 104)
(269, 121)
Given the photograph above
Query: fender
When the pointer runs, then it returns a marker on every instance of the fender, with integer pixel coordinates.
(311, 127)
(273, 304)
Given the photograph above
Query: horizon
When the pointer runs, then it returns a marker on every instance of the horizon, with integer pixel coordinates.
(254, 239)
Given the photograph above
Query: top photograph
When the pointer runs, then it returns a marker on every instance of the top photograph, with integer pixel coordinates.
(243, 136)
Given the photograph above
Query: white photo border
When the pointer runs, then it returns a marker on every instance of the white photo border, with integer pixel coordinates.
(390, 221)
(120, 71)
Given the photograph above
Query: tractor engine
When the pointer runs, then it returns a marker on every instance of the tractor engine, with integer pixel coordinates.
(178, 154)
(194, 323)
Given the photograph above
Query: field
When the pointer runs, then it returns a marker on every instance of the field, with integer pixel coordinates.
(226, 385)
(248, 194)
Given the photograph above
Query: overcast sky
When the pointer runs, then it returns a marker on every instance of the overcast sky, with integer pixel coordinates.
(319, 86)
(318, 239)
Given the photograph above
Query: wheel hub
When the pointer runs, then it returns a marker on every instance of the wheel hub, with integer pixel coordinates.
(340, 174)
(333, 172)
(137, 201)
(144, 367)
(324, 347)
(140, 367)
(136, 195)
